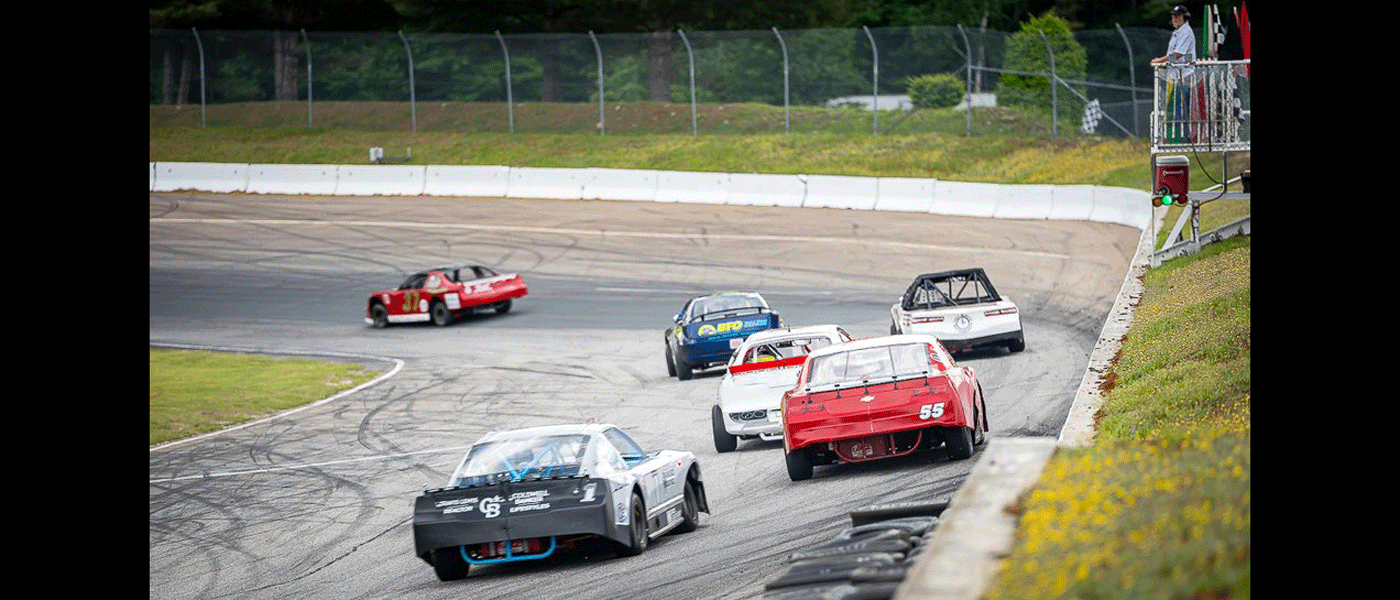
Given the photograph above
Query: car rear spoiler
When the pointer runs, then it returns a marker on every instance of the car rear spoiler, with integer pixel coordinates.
(767, 364)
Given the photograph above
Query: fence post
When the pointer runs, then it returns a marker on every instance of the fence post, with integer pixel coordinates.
(602, 118)
(412, 95)
(874, 80)
(307, 42)
(1132, 77)
(787, 127)
(203, 118)
(968, 45)
(510, 99)
(1054, 96)
(691, 56)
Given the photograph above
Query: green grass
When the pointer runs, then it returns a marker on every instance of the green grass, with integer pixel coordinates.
(1007, 145)
(195, 392)
(1159, 506)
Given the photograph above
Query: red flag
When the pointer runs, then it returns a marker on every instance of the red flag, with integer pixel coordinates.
(1244, 31)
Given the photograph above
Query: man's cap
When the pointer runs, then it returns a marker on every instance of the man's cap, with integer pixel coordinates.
(1180, 9)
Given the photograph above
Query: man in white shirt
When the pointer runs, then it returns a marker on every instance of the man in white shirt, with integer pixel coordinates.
(1181, 50)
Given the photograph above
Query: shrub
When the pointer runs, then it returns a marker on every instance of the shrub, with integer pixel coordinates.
(1025, 52)
(939, 90)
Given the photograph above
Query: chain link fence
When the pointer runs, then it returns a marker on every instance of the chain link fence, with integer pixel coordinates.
(667, 82)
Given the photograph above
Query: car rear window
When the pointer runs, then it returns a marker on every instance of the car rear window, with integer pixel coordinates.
(881, 363)
(521, 458)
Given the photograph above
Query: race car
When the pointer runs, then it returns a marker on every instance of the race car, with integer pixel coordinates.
(521, 495)
(443, 294)
(960, 308)
(709, 328)
(879, 398)
(762, 368)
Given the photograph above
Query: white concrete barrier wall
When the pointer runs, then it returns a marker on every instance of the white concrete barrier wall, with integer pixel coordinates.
(837, 191)
(220, 178)
(475, 181)
(380, 180)
(965, 199)
(318, 180)
(908, 194)
(692, 187)
(619, 184)
(753, 189)
(1123, 206)
(546, 182)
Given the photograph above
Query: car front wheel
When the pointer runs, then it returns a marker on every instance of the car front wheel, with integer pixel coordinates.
(379, 315)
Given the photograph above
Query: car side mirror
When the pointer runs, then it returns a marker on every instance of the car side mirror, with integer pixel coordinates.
(677, 318)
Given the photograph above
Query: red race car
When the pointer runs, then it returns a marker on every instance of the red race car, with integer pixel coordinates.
(879, 398)
(443, 294)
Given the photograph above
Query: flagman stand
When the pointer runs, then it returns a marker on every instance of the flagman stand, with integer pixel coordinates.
(1200, 107)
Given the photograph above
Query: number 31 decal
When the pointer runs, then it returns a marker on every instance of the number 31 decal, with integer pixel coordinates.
(931, 411)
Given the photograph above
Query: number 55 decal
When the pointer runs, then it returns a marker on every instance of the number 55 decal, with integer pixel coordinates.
(931, 411)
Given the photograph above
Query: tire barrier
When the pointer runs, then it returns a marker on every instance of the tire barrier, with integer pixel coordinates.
(867, 560)
(1120, 206)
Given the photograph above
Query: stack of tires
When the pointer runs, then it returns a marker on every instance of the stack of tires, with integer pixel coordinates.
(866, 561)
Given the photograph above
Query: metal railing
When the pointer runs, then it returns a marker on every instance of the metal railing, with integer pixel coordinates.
(1201, 106)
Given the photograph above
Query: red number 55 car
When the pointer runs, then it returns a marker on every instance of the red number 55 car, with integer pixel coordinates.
(879, 398)
(443, 294)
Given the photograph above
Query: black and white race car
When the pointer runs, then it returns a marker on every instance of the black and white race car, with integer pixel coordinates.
(523, 494)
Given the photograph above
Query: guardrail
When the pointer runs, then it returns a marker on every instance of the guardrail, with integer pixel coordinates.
(1105, 204)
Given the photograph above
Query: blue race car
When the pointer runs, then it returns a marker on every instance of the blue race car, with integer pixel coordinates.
(709, 328)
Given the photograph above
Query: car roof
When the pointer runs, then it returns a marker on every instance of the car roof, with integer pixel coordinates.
(545, 430)
(728, 293)
(875, 342)
(945, 274)
(448, 268)
(791, 332)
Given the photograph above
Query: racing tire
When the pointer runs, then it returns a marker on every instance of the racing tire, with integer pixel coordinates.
(893, 329)
(979, 426)
(637, 531)
(1017, 344)
(670, 362)
(724, 442)
(959, 442)
(875, 513)
(683, 371)
(442, 317)
(799, 464)
(379, 316)
(690, 509)
(503, 307)
(448, 564)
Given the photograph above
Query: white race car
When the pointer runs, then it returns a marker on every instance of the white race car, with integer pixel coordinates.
(520, 495)
(961, 309)
(759, 371)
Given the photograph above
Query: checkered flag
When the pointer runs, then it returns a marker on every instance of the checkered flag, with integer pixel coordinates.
(1092, 115)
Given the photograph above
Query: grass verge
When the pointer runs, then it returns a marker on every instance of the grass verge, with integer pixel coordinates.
(1159, 506)
(194, 392)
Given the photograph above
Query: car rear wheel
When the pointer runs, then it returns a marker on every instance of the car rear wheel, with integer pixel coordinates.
(441, 315)
(503, 307)
(1017, 344)
(723, 441)
(959, 442)
(448, 564)
(683, 371)
(799, 464)
(638, 530)
(379, 315)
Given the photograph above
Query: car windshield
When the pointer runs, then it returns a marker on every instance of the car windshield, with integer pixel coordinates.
(732, 303)
(780, 349)
(522, 458)
(881, 363)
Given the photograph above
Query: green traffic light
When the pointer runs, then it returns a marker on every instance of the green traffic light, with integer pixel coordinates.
(1167, 199)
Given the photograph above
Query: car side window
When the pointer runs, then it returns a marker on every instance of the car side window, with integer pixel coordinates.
(414, 282)
(433, 282)
(631, 451)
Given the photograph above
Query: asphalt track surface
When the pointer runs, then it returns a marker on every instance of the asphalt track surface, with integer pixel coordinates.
(318, 503)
